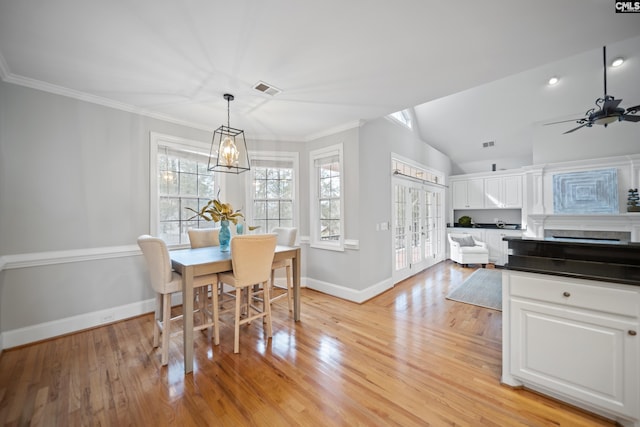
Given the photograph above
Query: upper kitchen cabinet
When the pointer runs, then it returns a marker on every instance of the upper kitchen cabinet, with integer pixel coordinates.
(467, 193)
(503, 192)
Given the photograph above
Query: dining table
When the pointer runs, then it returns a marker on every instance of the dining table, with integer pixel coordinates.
(191, 263)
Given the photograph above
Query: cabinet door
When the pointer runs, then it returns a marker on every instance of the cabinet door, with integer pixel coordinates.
(459, 195)
(503, 256)
(475, 193)
(592, 358)
(493, 194)
(494, 244)
(512, 192)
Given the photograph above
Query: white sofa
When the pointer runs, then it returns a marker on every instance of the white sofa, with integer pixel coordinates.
(465, 249)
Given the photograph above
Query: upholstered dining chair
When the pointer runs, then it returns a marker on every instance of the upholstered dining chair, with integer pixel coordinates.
(203, 237)
(251, 257)
(286, 237)
(165, 282)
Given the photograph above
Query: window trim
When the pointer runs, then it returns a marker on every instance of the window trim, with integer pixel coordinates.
(314, 208)
(177, 143)
(287, 156)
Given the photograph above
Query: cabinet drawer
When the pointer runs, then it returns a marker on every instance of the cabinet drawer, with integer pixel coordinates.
(623, 300)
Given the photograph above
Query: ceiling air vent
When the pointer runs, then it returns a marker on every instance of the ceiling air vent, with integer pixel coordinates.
(266, 88)
(487, 144)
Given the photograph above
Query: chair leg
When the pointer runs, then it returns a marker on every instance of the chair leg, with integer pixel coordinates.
(272, 283)
(236, 333)
(215, 313)
(157, 316)
(166, 327)
(289, 287)
(267, 309)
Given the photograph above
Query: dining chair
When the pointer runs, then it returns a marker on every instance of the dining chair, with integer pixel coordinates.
(206, 237)
(166, 282)
(251, 258)
(203, 237)
(286, 237)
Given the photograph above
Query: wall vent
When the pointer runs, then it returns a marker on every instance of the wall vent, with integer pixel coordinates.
(266, 88)
(488, 144)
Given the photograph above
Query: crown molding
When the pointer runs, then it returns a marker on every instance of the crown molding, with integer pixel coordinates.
(8, 77)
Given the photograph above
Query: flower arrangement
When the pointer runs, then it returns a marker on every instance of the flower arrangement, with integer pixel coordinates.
(217, 211)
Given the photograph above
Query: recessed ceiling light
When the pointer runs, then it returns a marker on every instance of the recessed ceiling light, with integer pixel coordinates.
(553, 80)
(617, 62)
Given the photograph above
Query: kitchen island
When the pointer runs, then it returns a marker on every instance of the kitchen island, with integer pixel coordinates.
(571, 316)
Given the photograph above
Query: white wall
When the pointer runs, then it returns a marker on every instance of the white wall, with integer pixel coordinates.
(378, 139)
(74, 196)
(550, 145)
(330, 271)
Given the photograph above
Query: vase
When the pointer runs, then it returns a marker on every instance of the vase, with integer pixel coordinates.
(240, 228)
(224, 236)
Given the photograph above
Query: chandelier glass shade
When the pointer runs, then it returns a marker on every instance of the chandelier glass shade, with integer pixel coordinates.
(228, 148)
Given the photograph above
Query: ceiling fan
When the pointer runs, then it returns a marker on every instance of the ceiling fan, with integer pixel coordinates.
(607, 110)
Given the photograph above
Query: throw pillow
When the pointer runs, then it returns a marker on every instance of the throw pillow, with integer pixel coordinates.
(464, 241)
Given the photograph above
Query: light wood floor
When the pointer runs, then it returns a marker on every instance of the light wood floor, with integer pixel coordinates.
(409, 357)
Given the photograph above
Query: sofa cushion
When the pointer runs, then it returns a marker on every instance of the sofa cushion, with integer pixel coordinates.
(466, 250)
(464, 241)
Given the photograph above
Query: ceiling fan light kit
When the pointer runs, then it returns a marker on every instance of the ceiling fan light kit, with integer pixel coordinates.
(607, 108)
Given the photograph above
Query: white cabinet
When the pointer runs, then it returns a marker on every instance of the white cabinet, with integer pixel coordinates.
(468, 194)
(512, 186)
(503, 192)
(492, 192)
(574, 339)
(498, 248)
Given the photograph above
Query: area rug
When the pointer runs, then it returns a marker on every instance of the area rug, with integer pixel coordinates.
(482, 288)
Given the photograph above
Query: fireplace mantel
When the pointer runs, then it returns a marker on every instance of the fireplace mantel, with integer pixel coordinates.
(537, 224)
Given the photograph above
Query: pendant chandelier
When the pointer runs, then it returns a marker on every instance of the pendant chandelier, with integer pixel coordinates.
(228, 148)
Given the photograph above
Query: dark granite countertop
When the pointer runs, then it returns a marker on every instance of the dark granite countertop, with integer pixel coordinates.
(592, 259)
(491, 226)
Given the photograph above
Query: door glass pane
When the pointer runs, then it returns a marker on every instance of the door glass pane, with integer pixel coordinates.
(416, 226)
(401, 259)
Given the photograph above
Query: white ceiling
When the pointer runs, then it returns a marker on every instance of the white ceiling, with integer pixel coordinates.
(337, 62)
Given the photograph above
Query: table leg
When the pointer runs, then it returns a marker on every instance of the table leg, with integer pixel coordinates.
(187, 318)
(296, 286)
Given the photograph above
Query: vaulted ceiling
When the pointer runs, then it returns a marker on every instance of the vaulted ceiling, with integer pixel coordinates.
(474, 71)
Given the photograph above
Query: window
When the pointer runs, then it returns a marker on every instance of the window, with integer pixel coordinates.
(272, 194)
(179, 179)
(403, 117)
(406, 169)
(327, 207)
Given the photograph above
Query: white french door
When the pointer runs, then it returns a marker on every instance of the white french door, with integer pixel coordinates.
(418, 230)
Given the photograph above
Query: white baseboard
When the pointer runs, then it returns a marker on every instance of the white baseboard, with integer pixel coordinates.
(77, 323)
(47, 330)
(355, 295)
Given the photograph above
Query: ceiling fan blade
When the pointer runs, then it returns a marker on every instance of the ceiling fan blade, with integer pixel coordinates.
(630, 118)
(633, 109)
(563, 121)
(611, 104)
(574, 129)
